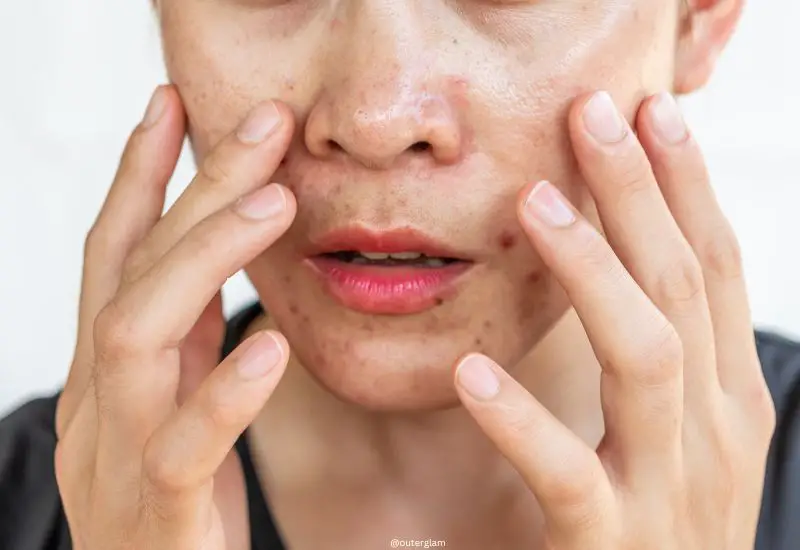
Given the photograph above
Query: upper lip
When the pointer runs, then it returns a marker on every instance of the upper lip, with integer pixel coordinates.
(362, 239)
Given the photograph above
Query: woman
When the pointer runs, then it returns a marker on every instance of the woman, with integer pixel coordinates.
(413, 235)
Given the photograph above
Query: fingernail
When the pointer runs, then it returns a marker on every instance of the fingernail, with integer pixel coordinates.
(263, 203)
(548, 204)
(262, 354)
(668, 120)
(259, 124)
(155, 108)
(476, 376)
(603, 120)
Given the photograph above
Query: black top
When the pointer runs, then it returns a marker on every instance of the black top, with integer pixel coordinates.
(31, 516)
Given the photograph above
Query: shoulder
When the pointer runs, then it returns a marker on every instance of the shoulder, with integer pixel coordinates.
(778, 526)
(30, 506)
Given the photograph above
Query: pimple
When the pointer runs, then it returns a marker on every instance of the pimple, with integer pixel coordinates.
(507, 240)
(535, 277)
(335, 23)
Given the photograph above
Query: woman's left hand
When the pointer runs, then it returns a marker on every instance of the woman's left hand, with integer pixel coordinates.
(688, 416)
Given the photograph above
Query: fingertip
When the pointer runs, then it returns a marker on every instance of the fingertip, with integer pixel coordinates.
(476, 375)
(261, 354)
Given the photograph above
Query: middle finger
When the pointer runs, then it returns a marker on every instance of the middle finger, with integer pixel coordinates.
(643, 232)
(639, 351)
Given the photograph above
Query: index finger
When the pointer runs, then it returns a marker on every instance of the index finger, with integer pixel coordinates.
(132, 206)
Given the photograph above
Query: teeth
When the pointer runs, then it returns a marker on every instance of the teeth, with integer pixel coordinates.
(406, 255)
(374, 255)
(395, 255)
(365, 258)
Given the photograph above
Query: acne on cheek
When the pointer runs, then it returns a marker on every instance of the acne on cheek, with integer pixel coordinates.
(534, 277)
(507, 240)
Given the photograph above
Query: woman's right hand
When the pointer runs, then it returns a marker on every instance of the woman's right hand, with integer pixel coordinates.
(148, 420)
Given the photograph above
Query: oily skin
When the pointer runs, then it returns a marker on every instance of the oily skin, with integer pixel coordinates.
(486, 86)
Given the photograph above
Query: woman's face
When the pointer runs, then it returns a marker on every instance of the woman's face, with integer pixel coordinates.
(427, 115)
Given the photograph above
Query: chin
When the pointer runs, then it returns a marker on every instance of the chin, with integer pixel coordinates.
(406, 363)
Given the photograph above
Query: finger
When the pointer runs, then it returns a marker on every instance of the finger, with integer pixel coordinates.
(565, 475)
(639, 351)
(644, 234)
(678, 164)
(182, 456)
(201, 348)
(133, 204)
(139, 335)
(243, 161)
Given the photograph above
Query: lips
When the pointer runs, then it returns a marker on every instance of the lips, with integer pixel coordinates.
(397, 272)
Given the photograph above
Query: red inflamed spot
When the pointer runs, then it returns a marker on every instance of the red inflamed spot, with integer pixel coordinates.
(507, 240)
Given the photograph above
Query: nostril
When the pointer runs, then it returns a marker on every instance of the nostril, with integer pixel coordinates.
(420, 147)
(333, 146)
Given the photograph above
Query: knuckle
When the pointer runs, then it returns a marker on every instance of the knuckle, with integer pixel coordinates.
(760, 406)
(214, 170)
(96, 242)
(631, 180)
(116, 334)
(680, 283)
(659, 359)
(722, 256)
(594, 251)
(572, 486)
(160, 473)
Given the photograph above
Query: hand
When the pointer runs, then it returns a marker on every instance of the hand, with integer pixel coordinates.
(687, 413)
(147, 420)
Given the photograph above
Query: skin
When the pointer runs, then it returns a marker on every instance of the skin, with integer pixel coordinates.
(628, 362)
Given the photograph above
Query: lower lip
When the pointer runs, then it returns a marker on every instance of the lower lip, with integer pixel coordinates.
(395, 290)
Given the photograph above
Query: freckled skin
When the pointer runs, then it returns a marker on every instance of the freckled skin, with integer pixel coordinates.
(487, 88)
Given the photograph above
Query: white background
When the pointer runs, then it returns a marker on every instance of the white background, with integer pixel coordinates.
(75, 76)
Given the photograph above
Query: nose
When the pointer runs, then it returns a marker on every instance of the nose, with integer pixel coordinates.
(383, 105)
(383, 127)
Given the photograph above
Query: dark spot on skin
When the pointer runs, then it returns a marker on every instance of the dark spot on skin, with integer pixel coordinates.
(438, 300)
(487, 324)
(478, 342)
(306, 319)
(287, 279)
(535, 277)
(507, 240)
(293, 309)
(455, 40)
